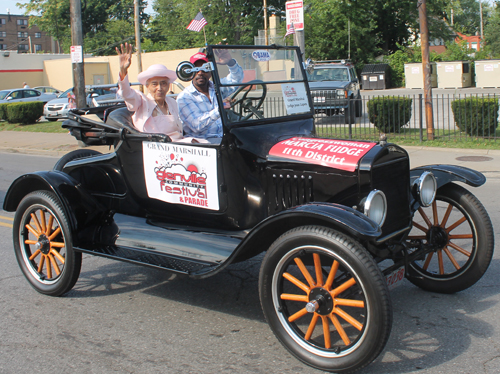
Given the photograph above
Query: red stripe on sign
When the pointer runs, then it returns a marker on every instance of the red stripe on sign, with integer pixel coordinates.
(22, 71)
(338, 154)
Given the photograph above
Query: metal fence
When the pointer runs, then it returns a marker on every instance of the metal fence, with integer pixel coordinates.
(445, 125)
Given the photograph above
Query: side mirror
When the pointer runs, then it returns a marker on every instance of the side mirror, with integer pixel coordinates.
(186, 70)
(309, 66)
(9, 98)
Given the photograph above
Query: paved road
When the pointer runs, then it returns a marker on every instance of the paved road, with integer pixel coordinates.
(123, 318)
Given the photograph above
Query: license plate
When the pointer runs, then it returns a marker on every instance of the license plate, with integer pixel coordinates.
(395, 278)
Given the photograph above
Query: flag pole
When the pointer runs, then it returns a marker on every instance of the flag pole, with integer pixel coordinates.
(204, 33)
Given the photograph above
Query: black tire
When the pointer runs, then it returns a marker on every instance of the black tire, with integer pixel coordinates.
(74, 155)
(51, 119)
(44, 251)
(320, 250)
(459, 224)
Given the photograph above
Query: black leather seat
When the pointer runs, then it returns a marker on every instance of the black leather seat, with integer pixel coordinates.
(121, 118)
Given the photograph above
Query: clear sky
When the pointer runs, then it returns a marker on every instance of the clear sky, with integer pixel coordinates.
(14, 9)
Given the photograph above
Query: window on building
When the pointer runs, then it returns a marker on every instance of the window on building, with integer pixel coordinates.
(22, 22)
(38, 47)
(38, 35)
(473, 46)
(23, 47)
(3, 46)
(2, 21)
(3, 34)
(22, 34)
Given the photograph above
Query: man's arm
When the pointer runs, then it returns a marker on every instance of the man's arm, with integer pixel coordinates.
(235, 76)
(196, 115)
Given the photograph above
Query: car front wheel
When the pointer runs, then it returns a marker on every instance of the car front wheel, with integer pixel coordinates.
(43, 245)
(325, 299)
(459, 228)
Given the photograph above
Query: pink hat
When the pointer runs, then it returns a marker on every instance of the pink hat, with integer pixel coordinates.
(197, 57)
(156, 70)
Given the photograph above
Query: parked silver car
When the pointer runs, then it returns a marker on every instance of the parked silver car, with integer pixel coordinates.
(18, 95)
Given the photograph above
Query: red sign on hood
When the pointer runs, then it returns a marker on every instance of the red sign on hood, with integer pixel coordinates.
(337, 154)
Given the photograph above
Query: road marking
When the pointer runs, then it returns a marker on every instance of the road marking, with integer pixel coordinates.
(7, 218)
(6, 224)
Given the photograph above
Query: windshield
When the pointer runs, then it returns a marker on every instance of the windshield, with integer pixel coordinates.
(65, 93)
(339, 74)
(3, 94)
(278, 87)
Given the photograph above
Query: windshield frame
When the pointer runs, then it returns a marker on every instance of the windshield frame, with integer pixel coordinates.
(255, 121)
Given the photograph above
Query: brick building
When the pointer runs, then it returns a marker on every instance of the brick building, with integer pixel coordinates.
(17, 35)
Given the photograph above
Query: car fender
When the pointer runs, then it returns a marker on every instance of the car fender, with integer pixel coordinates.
(80, 207)
(336, 216)
(450, 173)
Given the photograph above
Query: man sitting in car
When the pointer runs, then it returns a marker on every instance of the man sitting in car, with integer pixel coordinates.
(198, 107)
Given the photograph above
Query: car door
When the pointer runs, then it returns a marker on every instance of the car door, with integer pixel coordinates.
(31, 95)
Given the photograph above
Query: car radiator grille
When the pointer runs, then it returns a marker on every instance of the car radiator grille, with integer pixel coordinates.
(54, 108)
(393, 178)
(287, 190)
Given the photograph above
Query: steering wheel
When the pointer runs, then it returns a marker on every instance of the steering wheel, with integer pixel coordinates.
(246, 102)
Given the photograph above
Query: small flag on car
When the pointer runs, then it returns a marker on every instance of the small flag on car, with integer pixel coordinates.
(291, 30)
(197, 23)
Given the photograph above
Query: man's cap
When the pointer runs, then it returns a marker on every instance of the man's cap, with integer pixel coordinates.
(197, 57)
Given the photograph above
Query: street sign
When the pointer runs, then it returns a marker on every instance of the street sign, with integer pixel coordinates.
(295, 14)
(76, 54)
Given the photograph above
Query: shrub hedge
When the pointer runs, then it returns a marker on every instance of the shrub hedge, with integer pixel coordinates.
(477, 116)
(389, 113)
(3, 111)
(24, 113)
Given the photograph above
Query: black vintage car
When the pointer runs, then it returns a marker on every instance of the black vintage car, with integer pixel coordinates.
(341, 221)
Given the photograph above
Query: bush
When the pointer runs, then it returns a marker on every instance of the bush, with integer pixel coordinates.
(3, 111)
(24, 113)
(477, 116)
(389, 113)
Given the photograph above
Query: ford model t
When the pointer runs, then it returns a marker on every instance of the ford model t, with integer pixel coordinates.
(340, 221)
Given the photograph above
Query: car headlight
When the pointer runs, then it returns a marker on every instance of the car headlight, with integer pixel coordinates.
(341, 93)
(425, 188)
(375, 206)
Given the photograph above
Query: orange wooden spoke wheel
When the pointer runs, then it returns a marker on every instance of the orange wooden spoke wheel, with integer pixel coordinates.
(459, 230)
(42, 241)
(325, 298)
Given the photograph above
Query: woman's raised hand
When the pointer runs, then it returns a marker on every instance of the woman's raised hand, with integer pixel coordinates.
(125, 58)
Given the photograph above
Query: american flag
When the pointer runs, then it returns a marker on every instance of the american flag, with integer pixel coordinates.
(291, 30)
(197, 23)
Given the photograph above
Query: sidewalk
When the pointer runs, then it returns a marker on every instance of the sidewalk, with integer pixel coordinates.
(486, 161)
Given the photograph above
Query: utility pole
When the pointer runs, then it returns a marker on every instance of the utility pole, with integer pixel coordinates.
(426, 67)
(75, 11)
(137, 22)
(265, 23)
(481, 18)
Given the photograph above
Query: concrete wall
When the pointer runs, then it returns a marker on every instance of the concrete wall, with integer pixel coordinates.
(60, 73)
(16, 68)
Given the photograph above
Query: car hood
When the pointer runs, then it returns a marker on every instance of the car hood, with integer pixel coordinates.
(327, 85)
(62, 100)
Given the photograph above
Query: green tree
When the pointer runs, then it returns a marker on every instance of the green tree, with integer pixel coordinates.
(98, 19)
(492, 32)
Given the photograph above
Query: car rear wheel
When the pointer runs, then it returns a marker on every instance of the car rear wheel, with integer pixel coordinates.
(43, 245)
(458, 225)
(325, 299)
(74, 155)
